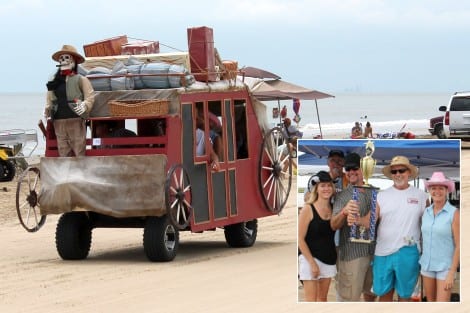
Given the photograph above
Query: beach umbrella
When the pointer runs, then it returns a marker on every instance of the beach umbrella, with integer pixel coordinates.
(255, 72)
(270, 90)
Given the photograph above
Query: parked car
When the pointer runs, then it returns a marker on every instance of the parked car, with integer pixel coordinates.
(436, 126)
(457, 116)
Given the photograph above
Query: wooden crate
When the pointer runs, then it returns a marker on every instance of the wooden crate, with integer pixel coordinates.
(105, 47)
(140, 47)
(202, 53)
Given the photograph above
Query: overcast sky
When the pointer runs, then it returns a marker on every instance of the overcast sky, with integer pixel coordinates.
(366, 46)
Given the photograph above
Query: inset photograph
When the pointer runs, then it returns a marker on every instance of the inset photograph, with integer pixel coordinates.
(378, 220)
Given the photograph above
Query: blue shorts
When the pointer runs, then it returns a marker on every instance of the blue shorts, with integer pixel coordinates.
(399, 271)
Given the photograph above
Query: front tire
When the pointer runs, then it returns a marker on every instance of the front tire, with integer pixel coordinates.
(161, 239)
(241, 235)
(73, 236)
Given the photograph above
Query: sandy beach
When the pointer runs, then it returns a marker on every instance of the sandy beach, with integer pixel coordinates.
(206, 275)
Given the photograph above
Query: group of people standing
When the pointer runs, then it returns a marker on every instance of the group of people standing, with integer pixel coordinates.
(414, 236)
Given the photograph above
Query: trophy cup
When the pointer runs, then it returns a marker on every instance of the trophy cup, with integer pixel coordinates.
(367, 168)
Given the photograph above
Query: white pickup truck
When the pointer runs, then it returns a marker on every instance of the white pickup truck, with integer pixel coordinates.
(457, 116)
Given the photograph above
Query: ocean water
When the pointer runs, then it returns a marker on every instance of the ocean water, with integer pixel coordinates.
(386, 112)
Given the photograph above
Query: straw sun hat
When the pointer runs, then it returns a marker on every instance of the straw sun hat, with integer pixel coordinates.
(401, 160)
(68, 49)
(438, 179)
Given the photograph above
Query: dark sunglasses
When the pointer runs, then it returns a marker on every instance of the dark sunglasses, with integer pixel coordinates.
(401, 171)
(351, 169)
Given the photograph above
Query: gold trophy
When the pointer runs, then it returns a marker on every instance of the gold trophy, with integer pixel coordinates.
(367, 168)
(368, 163)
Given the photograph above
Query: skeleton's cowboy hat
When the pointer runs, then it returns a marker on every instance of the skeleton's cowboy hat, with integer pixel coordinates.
(68, 49)
(438, 179)
(401, 160)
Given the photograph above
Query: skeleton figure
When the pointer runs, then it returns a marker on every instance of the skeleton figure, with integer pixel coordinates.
(66, 62)
(69, 100)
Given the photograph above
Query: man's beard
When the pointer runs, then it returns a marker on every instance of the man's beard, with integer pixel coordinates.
(400, 182)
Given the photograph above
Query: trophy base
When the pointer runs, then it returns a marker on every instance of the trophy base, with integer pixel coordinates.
(358, 240)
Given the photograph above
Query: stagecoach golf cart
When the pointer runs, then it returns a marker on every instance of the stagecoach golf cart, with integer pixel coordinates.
(150, 177)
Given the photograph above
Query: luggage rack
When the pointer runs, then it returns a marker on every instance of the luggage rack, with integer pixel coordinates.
(23, 142)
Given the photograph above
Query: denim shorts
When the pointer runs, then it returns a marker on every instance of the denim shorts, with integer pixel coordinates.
(399, 271)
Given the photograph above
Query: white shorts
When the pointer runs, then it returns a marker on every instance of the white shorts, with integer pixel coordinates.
(305, 272)
(441, 275)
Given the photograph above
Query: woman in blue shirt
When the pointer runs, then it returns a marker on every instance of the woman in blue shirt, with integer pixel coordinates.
(441, 240)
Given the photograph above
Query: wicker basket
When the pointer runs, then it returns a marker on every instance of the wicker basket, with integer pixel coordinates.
(151, 107)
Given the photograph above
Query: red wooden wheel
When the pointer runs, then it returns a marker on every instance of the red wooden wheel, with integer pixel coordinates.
(275, 170)
(178, 196)
(27, 200)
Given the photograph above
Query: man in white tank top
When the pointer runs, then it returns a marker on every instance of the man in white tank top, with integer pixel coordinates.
(399, 208)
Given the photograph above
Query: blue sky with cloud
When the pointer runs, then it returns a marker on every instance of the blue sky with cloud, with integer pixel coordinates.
(366, 46)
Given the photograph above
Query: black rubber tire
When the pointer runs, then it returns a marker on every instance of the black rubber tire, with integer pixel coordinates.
(161, 239)
(439, 131)
(73, 236)
(241, 235)
(7, 170)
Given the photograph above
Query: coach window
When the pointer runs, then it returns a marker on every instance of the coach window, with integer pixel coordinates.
(199, 138)
(241, 132)
(216, 128)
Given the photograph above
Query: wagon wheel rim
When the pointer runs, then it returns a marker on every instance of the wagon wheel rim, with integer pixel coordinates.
(178, 197)
(27, 200)
(275, 170)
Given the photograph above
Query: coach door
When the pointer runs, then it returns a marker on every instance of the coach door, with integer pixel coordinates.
(214, 197)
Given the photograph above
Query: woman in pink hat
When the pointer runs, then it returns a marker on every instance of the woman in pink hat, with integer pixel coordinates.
(441, 240)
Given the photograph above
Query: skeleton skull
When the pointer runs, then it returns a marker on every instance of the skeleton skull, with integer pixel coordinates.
(67, 62)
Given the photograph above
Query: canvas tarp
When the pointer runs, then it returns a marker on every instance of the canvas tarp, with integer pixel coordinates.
(181, 58)
(428, 155)
(119, 186)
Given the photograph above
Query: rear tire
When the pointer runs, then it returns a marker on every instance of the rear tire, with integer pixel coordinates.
(241, 235)
(161, 239)
(73, 236)
(439, 131)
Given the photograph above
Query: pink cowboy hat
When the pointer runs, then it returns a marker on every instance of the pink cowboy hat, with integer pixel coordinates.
(438, 179)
